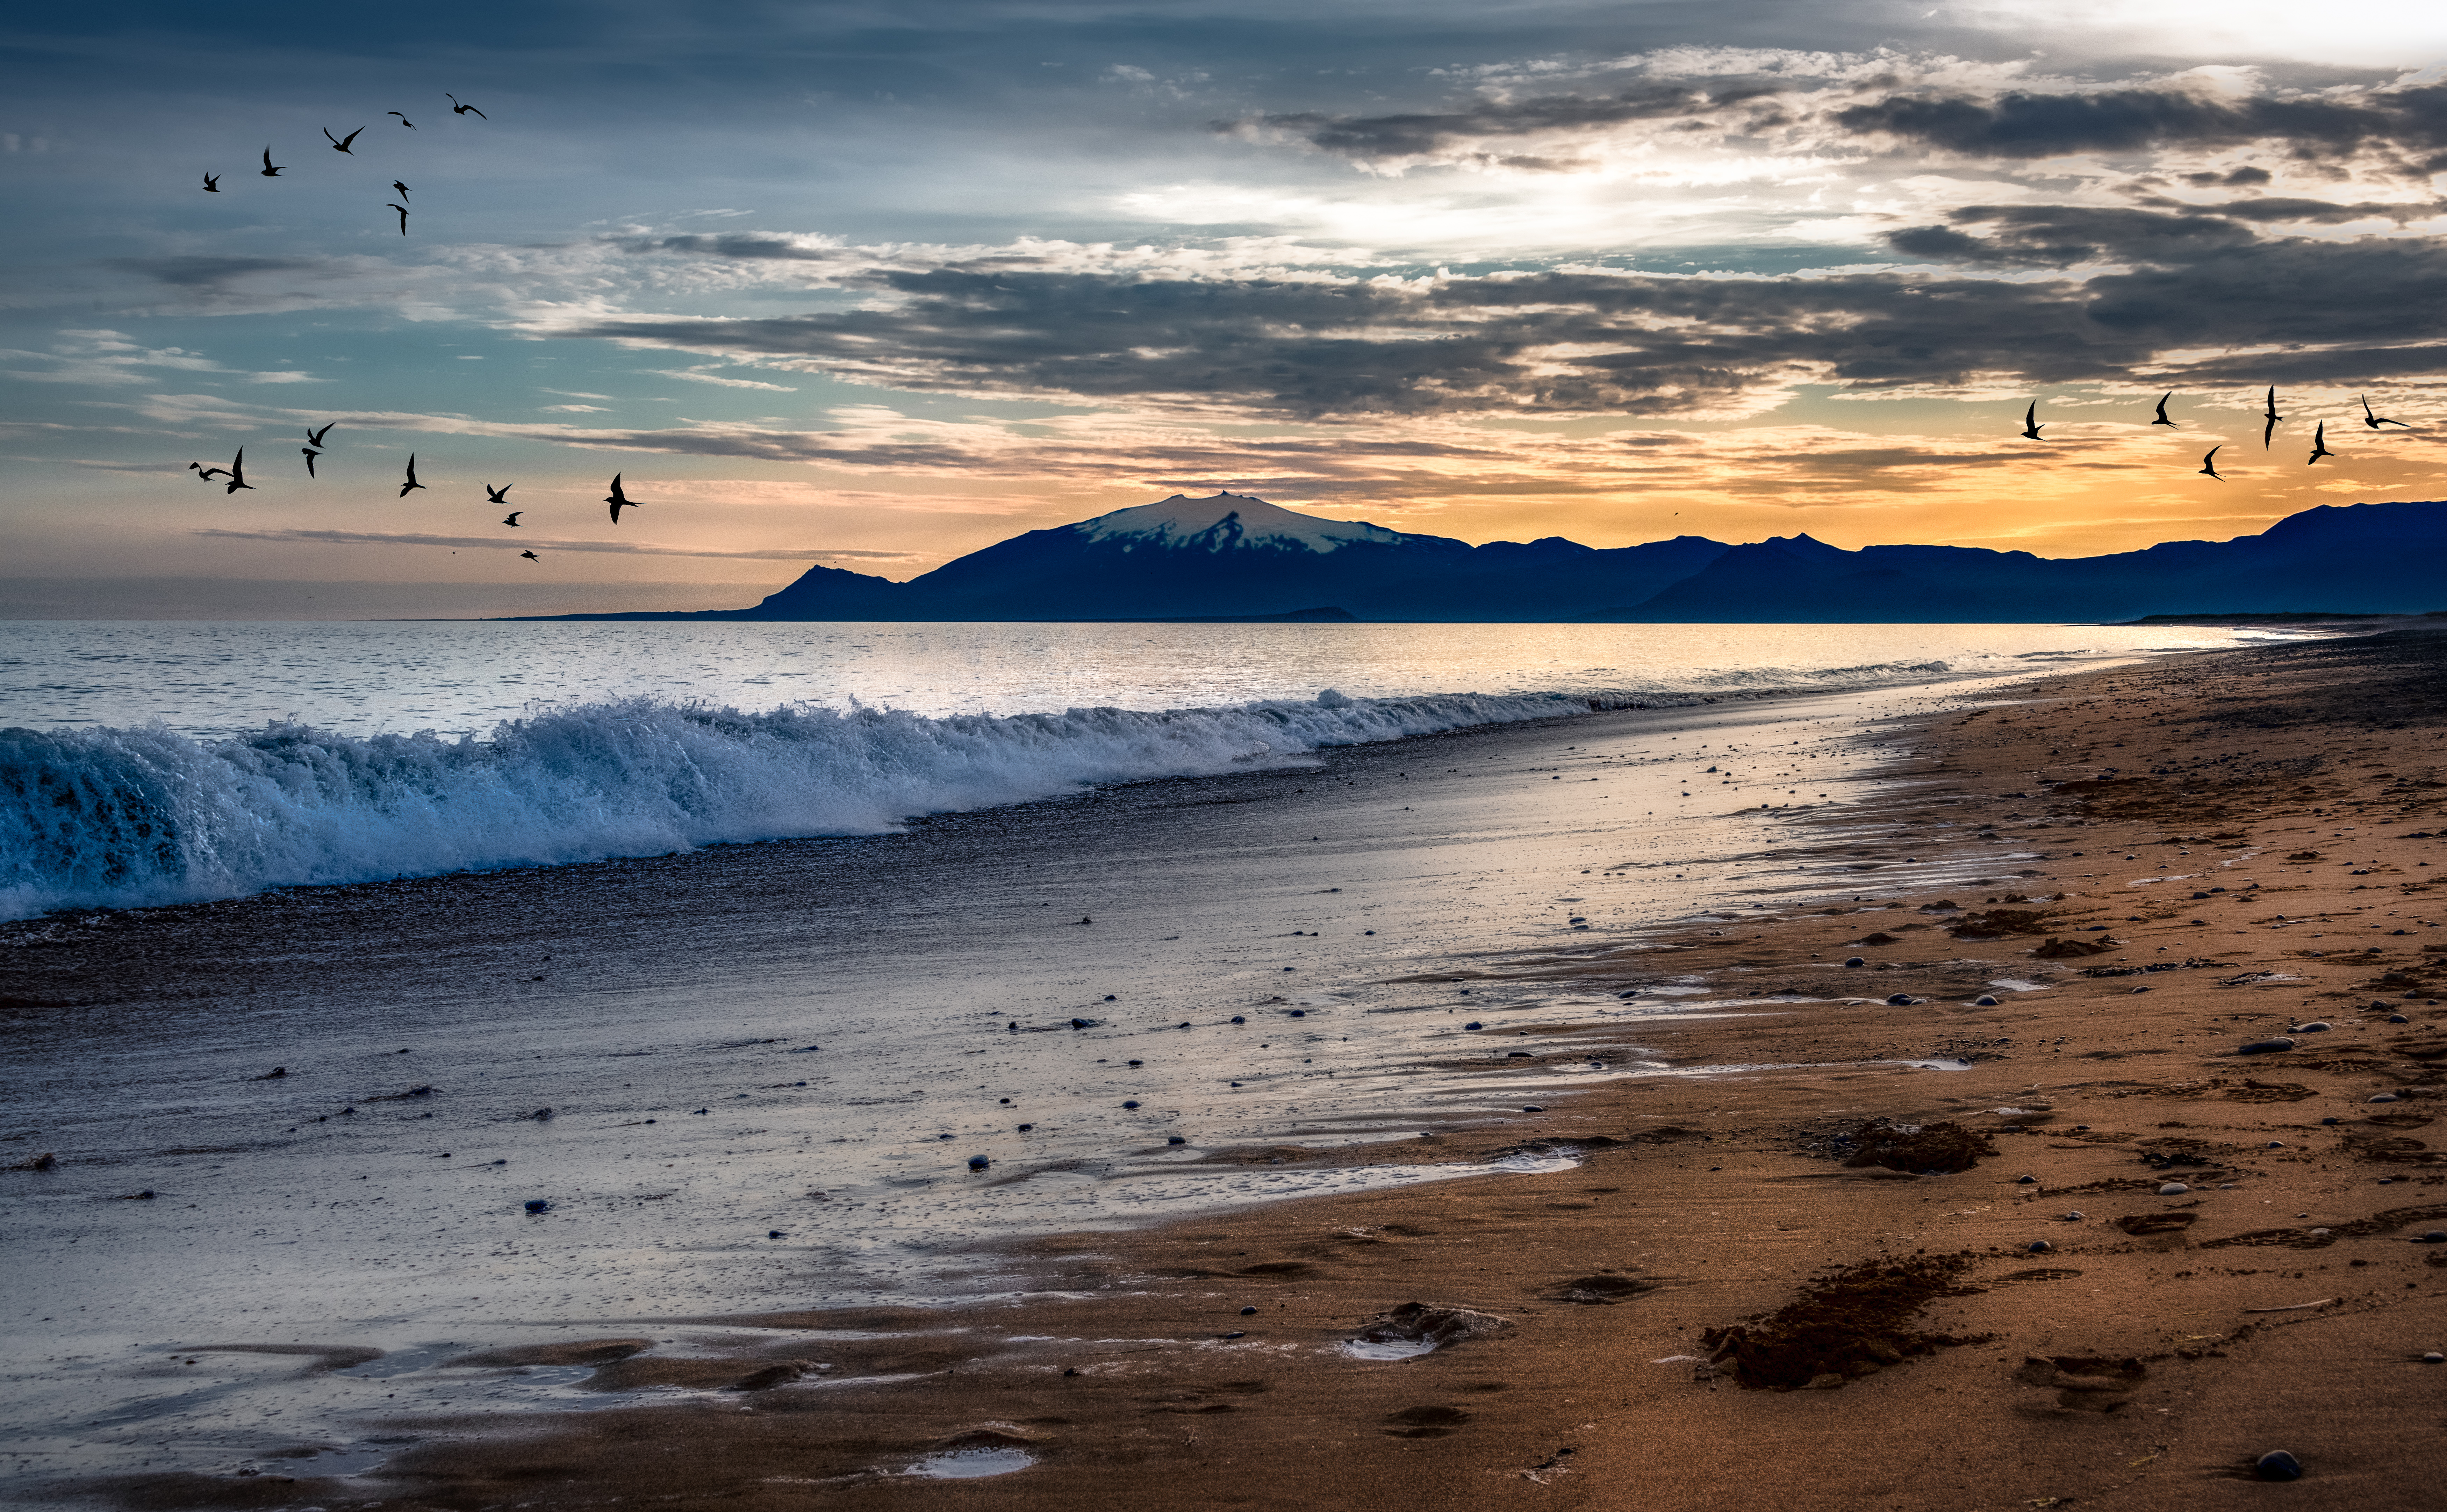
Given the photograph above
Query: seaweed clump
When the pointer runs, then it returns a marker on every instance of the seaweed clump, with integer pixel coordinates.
(1844, 1327)
(1918, 1147)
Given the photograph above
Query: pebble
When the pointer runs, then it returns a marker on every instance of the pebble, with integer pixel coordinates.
(536, 1204)
(1175, 1139)
(1855, 960)
(2434, 1237)
(2397, 1018)
(2073, 1216)
(1299, 1012)
(773, 1234)
(2278, 1465)
(1130, 1105)
(2267, 1046)
(2434, 1358)
(2332, 1121)
(1238, 1019)
(2026, 1181)
(2040, 1246)
(2274, 1145)
(1899, 1000)
(2174, 1189)
(1248, 1312)
(1083, 1023)
(979, 1163)
(2381, 1097)
(2315, 1026)
(1025, 1127)
(1474, 1024)
(1984, 1000)
(1533, 1108)
(1236, 1333)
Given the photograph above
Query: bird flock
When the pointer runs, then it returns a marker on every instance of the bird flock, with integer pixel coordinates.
(234, 476)
(2270, 419)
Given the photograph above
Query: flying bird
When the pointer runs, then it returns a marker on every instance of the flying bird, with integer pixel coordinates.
(2162, 419)
(2273, 417)
(206, 474)
(458, 109)
(2374, 422)
(212, 183)
(2320, 443)
(2030, 426)
(531, 556)
(511, 518)
(237, 472)
(403, 216)
(269, 171)
(412, 477)
(618, 499)
(314, 438)
(493, 495)
(2208, 464)
(310, 454)
(401, 187)
(403, 120)
(341, 144)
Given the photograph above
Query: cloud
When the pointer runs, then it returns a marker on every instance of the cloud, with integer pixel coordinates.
(621, 548)
(699, 376)
(2022, 125)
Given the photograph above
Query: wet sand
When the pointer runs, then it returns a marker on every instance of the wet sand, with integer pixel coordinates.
(2250, 830)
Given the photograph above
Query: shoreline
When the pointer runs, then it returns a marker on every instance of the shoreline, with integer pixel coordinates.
(1298, 1268)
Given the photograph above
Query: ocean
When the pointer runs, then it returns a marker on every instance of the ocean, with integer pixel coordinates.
(795, 965)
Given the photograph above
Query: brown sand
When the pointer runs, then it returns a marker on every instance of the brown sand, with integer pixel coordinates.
(1728, 1304)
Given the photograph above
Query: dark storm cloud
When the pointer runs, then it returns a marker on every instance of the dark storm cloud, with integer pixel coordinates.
(2018, 125)
(1389, 138)
(1620, 343)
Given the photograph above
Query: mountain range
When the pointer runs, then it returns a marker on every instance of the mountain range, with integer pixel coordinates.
(1234, 557)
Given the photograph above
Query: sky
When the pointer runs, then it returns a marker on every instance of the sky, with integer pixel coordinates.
(877, 286)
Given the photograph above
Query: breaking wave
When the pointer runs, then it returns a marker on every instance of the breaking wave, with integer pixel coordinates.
(131, 818)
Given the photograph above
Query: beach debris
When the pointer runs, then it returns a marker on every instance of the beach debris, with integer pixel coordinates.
(2275, 1045)
(1426, 1422)
(1415, 1328)
(536, 1204)
(144, 1195)
(2059, 949)
(275, 1074)
(2084, 1383)
(1604, 1289)
(2298, 1307)
(45, 1162)
(1996, 923)
(1845, 1325)
(543, 1115)
(2277, 1466)
(1914, 1149)
(581, 1351)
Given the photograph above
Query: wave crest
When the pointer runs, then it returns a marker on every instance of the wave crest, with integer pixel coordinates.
(131, 818)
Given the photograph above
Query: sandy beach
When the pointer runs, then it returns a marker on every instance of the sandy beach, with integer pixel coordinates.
(2002, 1216)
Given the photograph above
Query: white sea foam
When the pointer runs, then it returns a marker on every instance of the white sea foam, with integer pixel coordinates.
(104, 817)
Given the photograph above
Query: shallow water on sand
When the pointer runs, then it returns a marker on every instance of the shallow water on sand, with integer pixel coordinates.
(769, 1067)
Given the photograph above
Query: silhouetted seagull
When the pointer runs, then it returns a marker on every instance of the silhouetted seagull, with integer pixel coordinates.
(2320, 443)
(618, 499)
(341, 144)
(269, 171)
(2269, 430)
(403, 120)
(2208, 463)
(2030, 426)
(511, 518)
(401, 187)
(529, 556)
(403, 216)
(212, 183)
(237, 472)
(310, 454)
(412, 477)
(2162, 419)
(493, 495)
(458, 109)
(2374, 422)
(206, 474)
(314, 438)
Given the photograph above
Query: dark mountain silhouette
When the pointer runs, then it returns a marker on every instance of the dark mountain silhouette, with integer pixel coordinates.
(1231, 556)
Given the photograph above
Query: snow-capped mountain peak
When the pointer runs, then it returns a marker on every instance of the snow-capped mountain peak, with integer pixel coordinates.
(1225, 520)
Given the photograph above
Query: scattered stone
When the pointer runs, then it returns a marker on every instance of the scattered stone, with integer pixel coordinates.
(1914, 1149)
(1901, 1000)
(1248, 1312)
(979, 1163)
(2072, 1216)
(536, 1204)
(275, 1074)
(773, 1234)
(2315, 1026)
(1436, 1327)
(2140, 1225)
(2278, 1465)
(2266, 1046)
(1855, 960)
(2026, 1181)
(2384, 1097)
(1474, 1024)
(1133, 1104)
(2434, 1237)
(45, 1162)
(2174, 1189)
(2434, 1358)
(2040, 1246)
(1984, 1000)
(1175, 1139)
